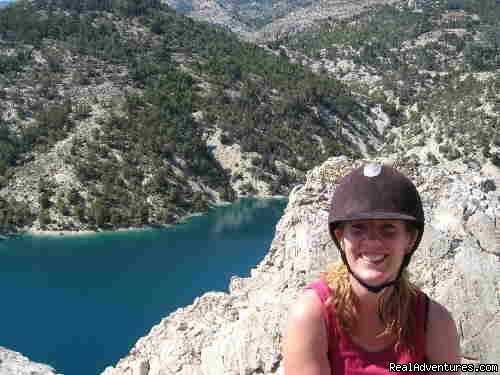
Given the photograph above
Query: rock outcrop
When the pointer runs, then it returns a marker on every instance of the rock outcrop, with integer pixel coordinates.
(13, 363)
(457, 264)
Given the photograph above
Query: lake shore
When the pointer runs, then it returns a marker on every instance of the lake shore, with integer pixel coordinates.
(83, 232)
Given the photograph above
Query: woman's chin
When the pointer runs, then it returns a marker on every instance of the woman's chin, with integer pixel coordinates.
(374, 273)
(373, 277)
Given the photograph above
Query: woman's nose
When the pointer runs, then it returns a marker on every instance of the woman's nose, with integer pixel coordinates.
(371, 234)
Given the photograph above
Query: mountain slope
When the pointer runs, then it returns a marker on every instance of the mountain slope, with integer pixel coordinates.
(120, 114)
(439, 66)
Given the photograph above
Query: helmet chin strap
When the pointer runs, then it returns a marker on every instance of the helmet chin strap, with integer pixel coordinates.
(375, 288)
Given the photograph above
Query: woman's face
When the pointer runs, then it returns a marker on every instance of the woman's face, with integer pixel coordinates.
(375, 248)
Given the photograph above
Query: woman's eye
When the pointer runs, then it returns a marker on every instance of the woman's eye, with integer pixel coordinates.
(357, 229)
(389, 229)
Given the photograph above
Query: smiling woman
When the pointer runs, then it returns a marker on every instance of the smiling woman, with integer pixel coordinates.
(364, 313)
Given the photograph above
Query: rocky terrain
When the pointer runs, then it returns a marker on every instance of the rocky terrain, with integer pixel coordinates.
(240, 332)
(13, 363)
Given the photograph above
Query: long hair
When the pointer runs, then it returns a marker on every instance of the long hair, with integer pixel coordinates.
(396, 309)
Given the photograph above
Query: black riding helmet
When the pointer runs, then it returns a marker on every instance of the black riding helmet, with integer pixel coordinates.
(376, 191)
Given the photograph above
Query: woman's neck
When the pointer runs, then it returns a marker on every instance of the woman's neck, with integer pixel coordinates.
(369, 327)
(368, 302)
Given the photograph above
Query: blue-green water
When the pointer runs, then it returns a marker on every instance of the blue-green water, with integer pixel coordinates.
(80, 303)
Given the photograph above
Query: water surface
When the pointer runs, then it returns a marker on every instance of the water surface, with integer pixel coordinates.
(80, 303)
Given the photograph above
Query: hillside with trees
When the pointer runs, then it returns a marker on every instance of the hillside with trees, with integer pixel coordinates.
(438, 64)
(107, 109)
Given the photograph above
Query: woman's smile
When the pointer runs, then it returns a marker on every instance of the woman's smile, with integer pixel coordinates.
(371, 258)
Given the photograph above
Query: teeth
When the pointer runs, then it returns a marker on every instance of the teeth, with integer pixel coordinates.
(374, 257)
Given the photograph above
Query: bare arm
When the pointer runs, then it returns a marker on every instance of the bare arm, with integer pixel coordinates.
(442, 343)
(305, 338)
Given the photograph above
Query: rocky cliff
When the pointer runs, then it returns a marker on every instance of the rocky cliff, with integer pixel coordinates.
(239, 332)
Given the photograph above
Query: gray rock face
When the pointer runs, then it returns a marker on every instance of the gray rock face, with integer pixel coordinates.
(239, 332)
(13, 363)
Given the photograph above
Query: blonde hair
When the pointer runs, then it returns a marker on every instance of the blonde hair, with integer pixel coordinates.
(396, 309)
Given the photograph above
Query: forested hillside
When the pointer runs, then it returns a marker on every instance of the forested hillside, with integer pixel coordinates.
(439, 64)
(107, 106)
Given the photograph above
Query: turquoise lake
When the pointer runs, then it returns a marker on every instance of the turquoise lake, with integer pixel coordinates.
(80, 303)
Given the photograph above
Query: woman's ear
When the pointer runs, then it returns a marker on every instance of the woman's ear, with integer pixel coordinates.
(339, 233)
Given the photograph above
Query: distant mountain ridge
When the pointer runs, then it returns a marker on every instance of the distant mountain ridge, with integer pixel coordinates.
(268, 20)
(3, 4)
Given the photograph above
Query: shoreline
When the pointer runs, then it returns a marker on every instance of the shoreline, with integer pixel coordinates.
(86, 232)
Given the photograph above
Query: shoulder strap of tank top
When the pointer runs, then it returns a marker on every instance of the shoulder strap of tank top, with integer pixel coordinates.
(323, 292)
(427, 303)
(422, 310)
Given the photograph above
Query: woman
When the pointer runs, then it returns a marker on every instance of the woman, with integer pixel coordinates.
(364, 314)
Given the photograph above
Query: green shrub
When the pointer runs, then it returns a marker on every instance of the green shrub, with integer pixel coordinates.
(44, 218)
(432, 158)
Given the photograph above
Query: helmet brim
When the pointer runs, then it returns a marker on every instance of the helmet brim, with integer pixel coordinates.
(374, 216)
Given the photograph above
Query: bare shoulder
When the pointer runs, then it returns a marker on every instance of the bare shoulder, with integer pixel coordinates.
(305, 316)
(307, 306)
(305, 343)
(442, 342)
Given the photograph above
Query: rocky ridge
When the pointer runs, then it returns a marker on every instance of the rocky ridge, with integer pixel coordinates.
(457, 264)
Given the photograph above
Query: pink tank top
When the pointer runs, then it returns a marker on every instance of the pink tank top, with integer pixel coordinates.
(347, 358)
